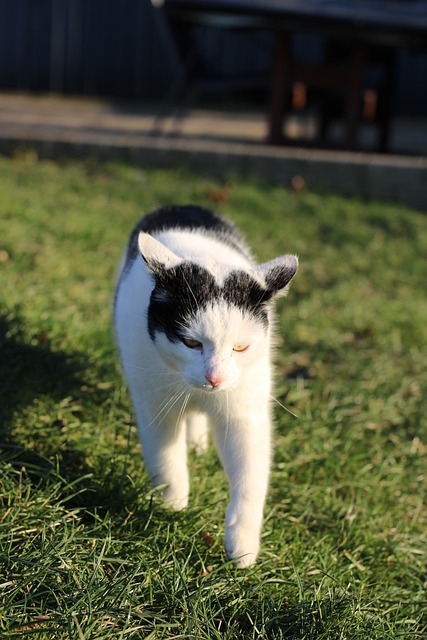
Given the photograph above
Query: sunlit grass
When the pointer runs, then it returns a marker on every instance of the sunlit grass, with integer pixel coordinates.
(85, 552)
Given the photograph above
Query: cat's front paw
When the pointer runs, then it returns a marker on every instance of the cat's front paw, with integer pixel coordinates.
(241, 546)
(174, 500)
(172, 491)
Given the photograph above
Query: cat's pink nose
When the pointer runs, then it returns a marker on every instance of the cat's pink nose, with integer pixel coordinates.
(214, 379)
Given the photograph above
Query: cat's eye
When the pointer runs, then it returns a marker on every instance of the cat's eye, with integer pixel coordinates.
(190, 343)
(240, 347)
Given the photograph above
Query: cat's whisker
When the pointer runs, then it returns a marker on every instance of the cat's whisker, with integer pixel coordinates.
(154, 388)
(227, 413)
(164, 387)
(182, 410)
(227, 424)
(158, 372)
(283, 406)
(166, 407)
(174, 399)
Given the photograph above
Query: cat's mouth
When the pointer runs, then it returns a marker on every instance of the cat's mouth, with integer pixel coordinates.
(222, 388)
(210, 389)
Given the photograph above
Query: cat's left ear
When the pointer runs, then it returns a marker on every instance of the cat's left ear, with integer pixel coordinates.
(155, 254)
(277, 274)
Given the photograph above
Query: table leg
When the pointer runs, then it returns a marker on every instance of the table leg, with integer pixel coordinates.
(278, 86)
(353, 95)
(386, 101)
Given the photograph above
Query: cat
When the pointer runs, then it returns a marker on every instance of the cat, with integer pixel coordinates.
(193, 321)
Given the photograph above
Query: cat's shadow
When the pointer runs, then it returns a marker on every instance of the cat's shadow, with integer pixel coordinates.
(29, 370)
(32, 369)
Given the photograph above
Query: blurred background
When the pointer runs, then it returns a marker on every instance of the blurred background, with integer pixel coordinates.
(173, 56)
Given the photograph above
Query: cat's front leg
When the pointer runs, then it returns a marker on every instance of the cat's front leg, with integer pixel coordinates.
(197, 432)
(245, 449)
(164, 450)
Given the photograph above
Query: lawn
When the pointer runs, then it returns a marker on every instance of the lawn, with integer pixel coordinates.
(86, 552)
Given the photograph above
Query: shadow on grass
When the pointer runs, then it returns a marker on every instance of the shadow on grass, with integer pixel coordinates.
(31, 370)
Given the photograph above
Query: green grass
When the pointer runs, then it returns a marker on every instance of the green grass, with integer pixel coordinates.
(85, 551)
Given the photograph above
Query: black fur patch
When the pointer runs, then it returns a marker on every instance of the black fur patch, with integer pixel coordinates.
(278, 277)
(184, 217)
(187, 217)
(241, 290)
(183, 290)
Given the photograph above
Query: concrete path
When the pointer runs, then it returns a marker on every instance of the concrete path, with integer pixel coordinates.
(213, 142)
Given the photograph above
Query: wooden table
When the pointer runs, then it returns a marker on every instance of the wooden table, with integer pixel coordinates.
(365, 25)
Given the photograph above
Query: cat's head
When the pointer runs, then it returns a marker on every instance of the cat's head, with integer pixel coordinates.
(210, 322)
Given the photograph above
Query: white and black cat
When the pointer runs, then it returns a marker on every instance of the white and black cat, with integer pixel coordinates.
(193, 323)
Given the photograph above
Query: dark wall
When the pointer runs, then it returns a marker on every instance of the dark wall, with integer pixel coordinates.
(104, 47)
(123, 48)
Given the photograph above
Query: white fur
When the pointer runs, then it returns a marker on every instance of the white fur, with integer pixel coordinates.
(172, 398)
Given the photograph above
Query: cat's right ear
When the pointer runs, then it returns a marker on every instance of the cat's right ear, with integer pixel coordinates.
(156, 256)
(277, 274)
